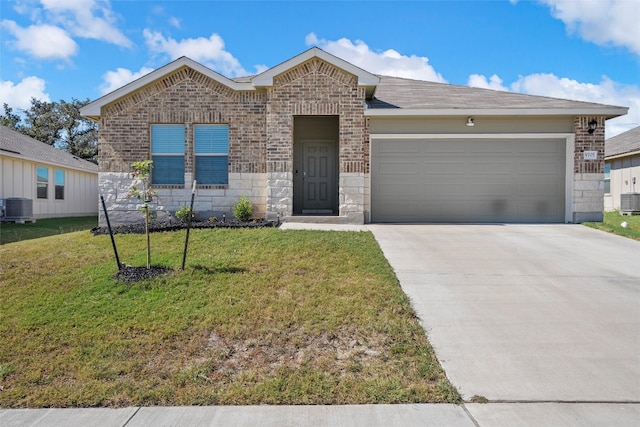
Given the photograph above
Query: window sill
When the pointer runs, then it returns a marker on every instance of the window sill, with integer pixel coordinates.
(213, 187)
(168, 186)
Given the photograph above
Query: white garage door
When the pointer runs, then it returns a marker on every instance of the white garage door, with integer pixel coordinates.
(468, 180)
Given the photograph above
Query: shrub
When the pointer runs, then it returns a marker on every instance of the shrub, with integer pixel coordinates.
(243, 210)
(183, 213)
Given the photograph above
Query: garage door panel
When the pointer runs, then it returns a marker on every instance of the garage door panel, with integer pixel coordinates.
(491, 167)
(430, 167)
(481, 190)
(475, 180)
(401, 146)
(399, 168)
(549, 146)
(540, 168)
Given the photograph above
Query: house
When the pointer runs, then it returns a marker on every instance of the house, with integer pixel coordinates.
(316, 138)
(622, 167)
(53, 182)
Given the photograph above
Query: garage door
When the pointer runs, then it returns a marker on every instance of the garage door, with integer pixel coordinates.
(468, 180)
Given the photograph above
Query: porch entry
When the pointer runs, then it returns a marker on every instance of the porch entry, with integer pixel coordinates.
(315, 174)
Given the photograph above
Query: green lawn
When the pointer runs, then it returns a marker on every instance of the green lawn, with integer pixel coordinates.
(12, 232)
(259, 316)
(612, 224)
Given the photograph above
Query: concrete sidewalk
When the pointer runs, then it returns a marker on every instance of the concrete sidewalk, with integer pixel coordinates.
(417, 415)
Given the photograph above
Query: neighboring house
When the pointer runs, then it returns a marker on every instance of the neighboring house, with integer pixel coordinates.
(319, 139)
(57, 183)
(622, 167)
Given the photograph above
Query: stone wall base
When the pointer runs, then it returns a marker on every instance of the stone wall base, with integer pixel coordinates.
(588, 197)
(114, 187)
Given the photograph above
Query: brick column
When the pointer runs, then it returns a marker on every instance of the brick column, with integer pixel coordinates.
(588, 182)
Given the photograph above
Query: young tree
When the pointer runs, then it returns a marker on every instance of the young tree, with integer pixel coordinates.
(141, 189)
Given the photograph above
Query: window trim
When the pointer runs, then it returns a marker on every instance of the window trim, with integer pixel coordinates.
(58, 186)
(607, 178)
(179, 153)
(42, 183)
(220, 154)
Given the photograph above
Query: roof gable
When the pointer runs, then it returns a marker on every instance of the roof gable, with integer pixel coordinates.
(17, 145)
(626, 143)
(365, 78)
(92, 109)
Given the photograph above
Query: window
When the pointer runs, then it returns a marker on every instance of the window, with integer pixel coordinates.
(167, 153)
(607, 178)
(42, 182)
(59, 183)
(211, 150)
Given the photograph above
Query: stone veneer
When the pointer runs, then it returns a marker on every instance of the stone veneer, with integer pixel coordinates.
(114, 187)
(588, 182)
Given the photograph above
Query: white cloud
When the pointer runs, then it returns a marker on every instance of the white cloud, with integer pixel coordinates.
(606, 92)
(116, 79)
(18, 96)
(388, 62)
(174, 22)
(87, 19)
(208, 51)
(494, 82)
(42, 41)
(604, 22)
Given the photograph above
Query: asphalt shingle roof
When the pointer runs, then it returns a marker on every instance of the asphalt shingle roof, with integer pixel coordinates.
(15, 144)
(396, 92)
(627, 142)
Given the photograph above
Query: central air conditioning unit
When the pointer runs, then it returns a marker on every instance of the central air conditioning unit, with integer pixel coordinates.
(630, 203)
(18, 209)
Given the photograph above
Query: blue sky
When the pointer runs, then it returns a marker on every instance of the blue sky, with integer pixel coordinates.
(575, 49)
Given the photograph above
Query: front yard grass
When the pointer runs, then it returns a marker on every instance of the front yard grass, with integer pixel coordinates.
(612, 223)
(13, 232)
(259, 316)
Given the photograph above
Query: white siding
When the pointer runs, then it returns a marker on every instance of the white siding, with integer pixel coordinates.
(623, 170)
(80, 192)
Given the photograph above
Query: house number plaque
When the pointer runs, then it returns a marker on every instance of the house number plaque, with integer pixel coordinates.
(591, 155)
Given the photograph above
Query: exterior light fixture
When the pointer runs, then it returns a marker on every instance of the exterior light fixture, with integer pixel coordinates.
(593, 125)
(470, 122)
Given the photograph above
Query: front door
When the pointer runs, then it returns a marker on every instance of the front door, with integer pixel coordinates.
(318, 177)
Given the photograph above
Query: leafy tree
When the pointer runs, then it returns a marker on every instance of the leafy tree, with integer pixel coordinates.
(79, 135)
(9, 118)
(59, 124)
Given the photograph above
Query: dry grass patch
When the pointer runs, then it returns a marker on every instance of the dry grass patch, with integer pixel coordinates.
(258, 317)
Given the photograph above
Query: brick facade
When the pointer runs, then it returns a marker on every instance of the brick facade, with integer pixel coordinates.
(184, 97)
(260, 112)
(260, 134)
(314, 88)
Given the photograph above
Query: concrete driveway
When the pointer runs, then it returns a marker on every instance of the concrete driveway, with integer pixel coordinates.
(525, 313)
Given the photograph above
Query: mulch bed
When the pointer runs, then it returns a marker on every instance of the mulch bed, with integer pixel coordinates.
(129, 274)
(159, 226)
